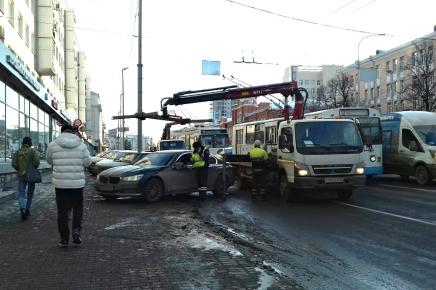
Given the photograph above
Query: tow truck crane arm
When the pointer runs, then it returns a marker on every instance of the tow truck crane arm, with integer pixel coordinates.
(234, 93)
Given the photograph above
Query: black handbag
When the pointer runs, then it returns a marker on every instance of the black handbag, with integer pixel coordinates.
(33, 175)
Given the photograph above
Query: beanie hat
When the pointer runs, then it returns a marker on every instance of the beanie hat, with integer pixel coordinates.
(27, 141)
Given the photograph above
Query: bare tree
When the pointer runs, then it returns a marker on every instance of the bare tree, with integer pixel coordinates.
(323, 98)
(341, 87)
(421, 85)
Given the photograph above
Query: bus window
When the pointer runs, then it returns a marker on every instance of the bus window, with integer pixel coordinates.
(271, 135)
(250, 134)
(239, 136)
(259, 134)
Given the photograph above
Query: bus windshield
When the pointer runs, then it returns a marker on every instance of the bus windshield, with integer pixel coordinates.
(427, 133)
(171, 144)
(370, 129)
(316, 138)
(215, 141)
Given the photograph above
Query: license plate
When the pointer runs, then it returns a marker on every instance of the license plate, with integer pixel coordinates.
(334, 180)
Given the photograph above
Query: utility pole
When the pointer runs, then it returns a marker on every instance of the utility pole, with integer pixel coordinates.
(122, 108)
(140, 75)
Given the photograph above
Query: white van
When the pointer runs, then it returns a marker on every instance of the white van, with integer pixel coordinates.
(409, 145)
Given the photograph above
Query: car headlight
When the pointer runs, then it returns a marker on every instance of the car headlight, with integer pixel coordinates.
(433, 154)
(132, 178)
(301, 169)
(373, 158)
(360, 169)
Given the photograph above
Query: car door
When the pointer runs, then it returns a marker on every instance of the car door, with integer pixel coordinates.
(213, 172)
(180, 177)
(409, 148)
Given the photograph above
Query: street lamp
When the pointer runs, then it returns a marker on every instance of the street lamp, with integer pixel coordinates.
(358, 62)
(122, 106)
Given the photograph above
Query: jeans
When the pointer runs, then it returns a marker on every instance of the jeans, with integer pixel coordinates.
(22, 184)
(68, 199)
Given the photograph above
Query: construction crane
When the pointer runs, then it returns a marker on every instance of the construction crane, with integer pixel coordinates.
(287, 89)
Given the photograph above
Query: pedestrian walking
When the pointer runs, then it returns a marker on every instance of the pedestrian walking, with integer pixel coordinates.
(200, 162)
(69, 156)
(258, 158)
(25, 158)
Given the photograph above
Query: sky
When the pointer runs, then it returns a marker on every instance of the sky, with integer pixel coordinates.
(178, 35)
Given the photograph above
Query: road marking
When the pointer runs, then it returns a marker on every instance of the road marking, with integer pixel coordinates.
(388, 213)
(408, 188)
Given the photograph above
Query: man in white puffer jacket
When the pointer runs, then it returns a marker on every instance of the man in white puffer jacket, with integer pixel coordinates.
(69, 156)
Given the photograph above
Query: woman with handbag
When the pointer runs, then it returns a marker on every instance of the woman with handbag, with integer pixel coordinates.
(25, 162)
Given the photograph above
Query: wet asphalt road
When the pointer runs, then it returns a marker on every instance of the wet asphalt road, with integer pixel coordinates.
(384, 237)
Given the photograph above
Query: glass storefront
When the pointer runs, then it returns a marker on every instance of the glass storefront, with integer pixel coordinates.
(20, 118)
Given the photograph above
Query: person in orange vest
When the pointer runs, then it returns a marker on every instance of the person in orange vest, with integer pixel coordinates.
(258, 158)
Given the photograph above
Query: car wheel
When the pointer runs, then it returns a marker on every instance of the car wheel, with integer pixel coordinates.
(286, 192)
(218, 189)
(108, 197)
(344, 195)
(153, 190)
(422, 175)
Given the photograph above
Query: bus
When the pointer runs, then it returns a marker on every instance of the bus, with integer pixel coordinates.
(368, 122)
(216, 139)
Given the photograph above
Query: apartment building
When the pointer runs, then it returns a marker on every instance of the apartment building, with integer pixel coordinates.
(311, 77)
(387, 79)
(35, 98)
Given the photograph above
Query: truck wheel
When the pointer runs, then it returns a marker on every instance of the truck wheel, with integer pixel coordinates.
(153, 190)
(422, 175)
(344, 195)
(286, 192)
(240, 183)
(218, 189)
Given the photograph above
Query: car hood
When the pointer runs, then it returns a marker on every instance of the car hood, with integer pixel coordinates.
(130, 170)
(110, 163)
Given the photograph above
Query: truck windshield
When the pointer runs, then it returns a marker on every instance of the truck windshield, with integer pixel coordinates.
(327, 137)
(427, 133)
(370, 130)
(215, 141)
(172, 144)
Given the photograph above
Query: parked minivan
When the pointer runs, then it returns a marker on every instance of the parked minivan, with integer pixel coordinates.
(409, 145)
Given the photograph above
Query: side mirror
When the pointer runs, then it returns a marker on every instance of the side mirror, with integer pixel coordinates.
(178, 166)
(413, 146)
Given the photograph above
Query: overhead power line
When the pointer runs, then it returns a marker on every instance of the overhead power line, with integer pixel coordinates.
(343, 6)
(301, 19)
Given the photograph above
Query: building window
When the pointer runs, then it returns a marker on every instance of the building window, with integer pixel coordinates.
(20, 25)
(318, 82)
(415, 58)
(394, 65)
(401, 64)
(388, 90)
(306, 82)
(388, 67)
(394, 89)
(12, 12)
(300, 82)
(430, 54)
(27, 38)
(377, 73)
(2, 6)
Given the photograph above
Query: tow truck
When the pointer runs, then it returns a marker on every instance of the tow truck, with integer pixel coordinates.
(323, 155)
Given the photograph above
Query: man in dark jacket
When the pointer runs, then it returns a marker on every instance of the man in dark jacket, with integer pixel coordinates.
(21, 161)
